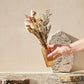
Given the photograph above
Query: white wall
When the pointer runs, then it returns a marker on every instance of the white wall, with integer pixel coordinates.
(20, 50)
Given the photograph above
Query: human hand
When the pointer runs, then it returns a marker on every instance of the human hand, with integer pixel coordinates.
(56, 51)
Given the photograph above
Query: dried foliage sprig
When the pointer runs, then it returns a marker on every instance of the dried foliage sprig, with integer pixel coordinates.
(39, 26)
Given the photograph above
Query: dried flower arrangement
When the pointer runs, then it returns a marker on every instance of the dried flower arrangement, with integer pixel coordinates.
(40, 28)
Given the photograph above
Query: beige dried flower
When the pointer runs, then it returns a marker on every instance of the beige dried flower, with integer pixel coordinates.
(40, 26)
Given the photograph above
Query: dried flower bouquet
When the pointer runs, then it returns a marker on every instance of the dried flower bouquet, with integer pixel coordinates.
(40, 28)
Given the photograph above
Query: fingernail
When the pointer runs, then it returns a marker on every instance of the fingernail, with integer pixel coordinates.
(48, 56)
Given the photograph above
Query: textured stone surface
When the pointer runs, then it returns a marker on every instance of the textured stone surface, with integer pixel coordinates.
(63, 63)
(72, 78)
(32, 78)
(40, 78)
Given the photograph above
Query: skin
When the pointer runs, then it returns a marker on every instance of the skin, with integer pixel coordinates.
(75, 47)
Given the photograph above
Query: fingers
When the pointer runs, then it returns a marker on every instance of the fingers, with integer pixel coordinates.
(56, 56)
(58, 51)
(54, 51)
(52, 54)
(51, 48)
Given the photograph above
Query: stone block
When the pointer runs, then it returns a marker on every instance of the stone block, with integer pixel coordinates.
(63, 63)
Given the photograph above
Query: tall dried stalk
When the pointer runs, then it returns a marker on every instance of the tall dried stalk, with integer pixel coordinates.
(40, 27)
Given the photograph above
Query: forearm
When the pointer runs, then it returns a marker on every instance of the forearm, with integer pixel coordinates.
(77, 46)
(74, 47)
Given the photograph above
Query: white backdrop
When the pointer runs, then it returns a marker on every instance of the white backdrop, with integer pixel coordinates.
(20, 50)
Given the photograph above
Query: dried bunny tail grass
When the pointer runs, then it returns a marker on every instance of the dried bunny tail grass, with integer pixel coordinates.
(46, 22)
(48, 13)
(46, 17)
(43, 40)
(38, 35)
(49, 28)
(40, 27)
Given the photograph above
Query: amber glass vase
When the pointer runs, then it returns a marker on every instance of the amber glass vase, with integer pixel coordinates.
(48, 61)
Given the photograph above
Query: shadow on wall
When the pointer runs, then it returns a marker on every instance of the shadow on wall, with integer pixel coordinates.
(78, 63)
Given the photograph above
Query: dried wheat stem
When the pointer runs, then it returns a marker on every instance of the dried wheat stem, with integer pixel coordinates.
(38, 35)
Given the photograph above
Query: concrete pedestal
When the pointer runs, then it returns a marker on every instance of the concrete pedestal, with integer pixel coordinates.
(41, 78)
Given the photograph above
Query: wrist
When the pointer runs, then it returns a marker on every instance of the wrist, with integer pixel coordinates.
(69, 49)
